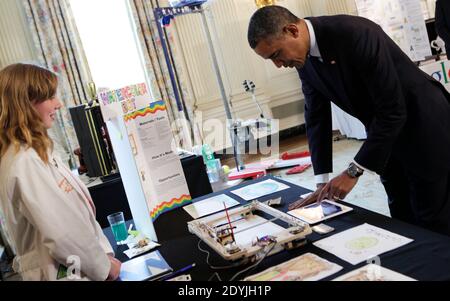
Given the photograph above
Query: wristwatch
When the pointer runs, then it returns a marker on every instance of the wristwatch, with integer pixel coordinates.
(354, 171)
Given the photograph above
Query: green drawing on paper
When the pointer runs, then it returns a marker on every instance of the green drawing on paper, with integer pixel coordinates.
(361, 243)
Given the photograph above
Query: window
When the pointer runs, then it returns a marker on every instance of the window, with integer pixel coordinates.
(109, 42)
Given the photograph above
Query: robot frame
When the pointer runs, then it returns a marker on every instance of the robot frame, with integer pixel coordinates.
(230, 234)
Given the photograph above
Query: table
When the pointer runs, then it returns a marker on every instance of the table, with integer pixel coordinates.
(427, 258)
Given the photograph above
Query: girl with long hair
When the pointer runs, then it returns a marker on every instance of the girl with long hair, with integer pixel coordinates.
(49, 213)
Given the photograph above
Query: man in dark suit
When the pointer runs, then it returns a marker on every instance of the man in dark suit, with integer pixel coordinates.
(442, 22)
(350, 61)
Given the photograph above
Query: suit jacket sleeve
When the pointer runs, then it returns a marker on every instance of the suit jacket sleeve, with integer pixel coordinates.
(377, 70)
(441, 23)
(318, 128)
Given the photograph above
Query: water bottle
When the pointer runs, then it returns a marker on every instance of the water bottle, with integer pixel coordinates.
(211, 163)
(207, 153)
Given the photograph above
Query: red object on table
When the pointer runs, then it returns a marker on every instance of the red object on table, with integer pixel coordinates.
(287, 156)
(247, 173)
(298, 169)
(229, 222)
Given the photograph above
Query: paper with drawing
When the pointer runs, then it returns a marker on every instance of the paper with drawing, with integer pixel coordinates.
(362, 243)
(307, 267)
(260, 189)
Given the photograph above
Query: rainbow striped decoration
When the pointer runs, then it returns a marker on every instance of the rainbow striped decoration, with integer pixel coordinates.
(152, 109)
(167, 206)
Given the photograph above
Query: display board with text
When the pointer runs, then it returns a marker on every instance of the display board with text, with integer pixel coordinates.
(148, 161)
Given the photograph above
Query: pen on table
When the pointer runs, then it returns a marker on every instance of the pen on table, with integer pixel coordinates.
(180, 271)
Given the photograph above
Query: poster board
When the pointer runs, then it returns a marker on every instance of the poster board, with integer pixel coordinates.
(145, 151)
(439, 70)
(161, 173)
(403, 21)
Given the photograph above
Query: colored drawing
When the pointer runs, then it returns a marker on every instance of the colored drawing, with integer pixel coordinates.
(361, 243)
(260, 189)
(307, 267)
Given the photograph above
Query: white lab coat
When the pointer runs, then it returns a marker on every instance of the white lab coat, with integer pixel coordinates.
(50, 218)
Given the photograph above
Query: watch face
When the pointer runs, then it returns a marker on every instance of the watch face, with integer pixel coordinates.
(351, 172)
(354, 171)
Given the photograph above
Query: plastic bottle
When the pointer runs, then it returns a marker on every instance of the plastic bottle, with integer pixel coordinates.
(211, 163)
(207, 153)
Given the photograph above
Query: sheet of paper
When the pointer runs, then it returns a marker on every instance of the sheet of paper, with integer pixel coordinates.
(210, 205)
(373, 272)
(290, 163)
(262, 164)
(260, 189)
(362, 243)
(307, 267)
(403, 21)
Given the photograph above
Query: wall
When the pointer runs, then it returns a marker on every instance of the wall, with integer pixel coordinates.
(278, 90)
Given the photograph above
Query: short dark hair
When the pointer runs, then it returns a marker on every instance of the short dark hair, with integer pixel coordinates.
(267, 22)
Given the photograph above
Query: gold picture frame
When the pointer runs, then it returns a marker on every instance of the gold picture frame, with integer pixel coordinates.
(262, 3)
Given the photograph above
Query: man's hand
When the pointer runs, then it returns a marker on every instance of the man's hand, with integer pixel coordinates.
(114, 271)
(338, 188)
(312, 198)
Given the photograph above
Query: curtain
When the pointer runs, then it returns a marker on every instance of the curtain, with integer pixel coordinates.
(60, 49)
(15, 37)
(157, 70)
